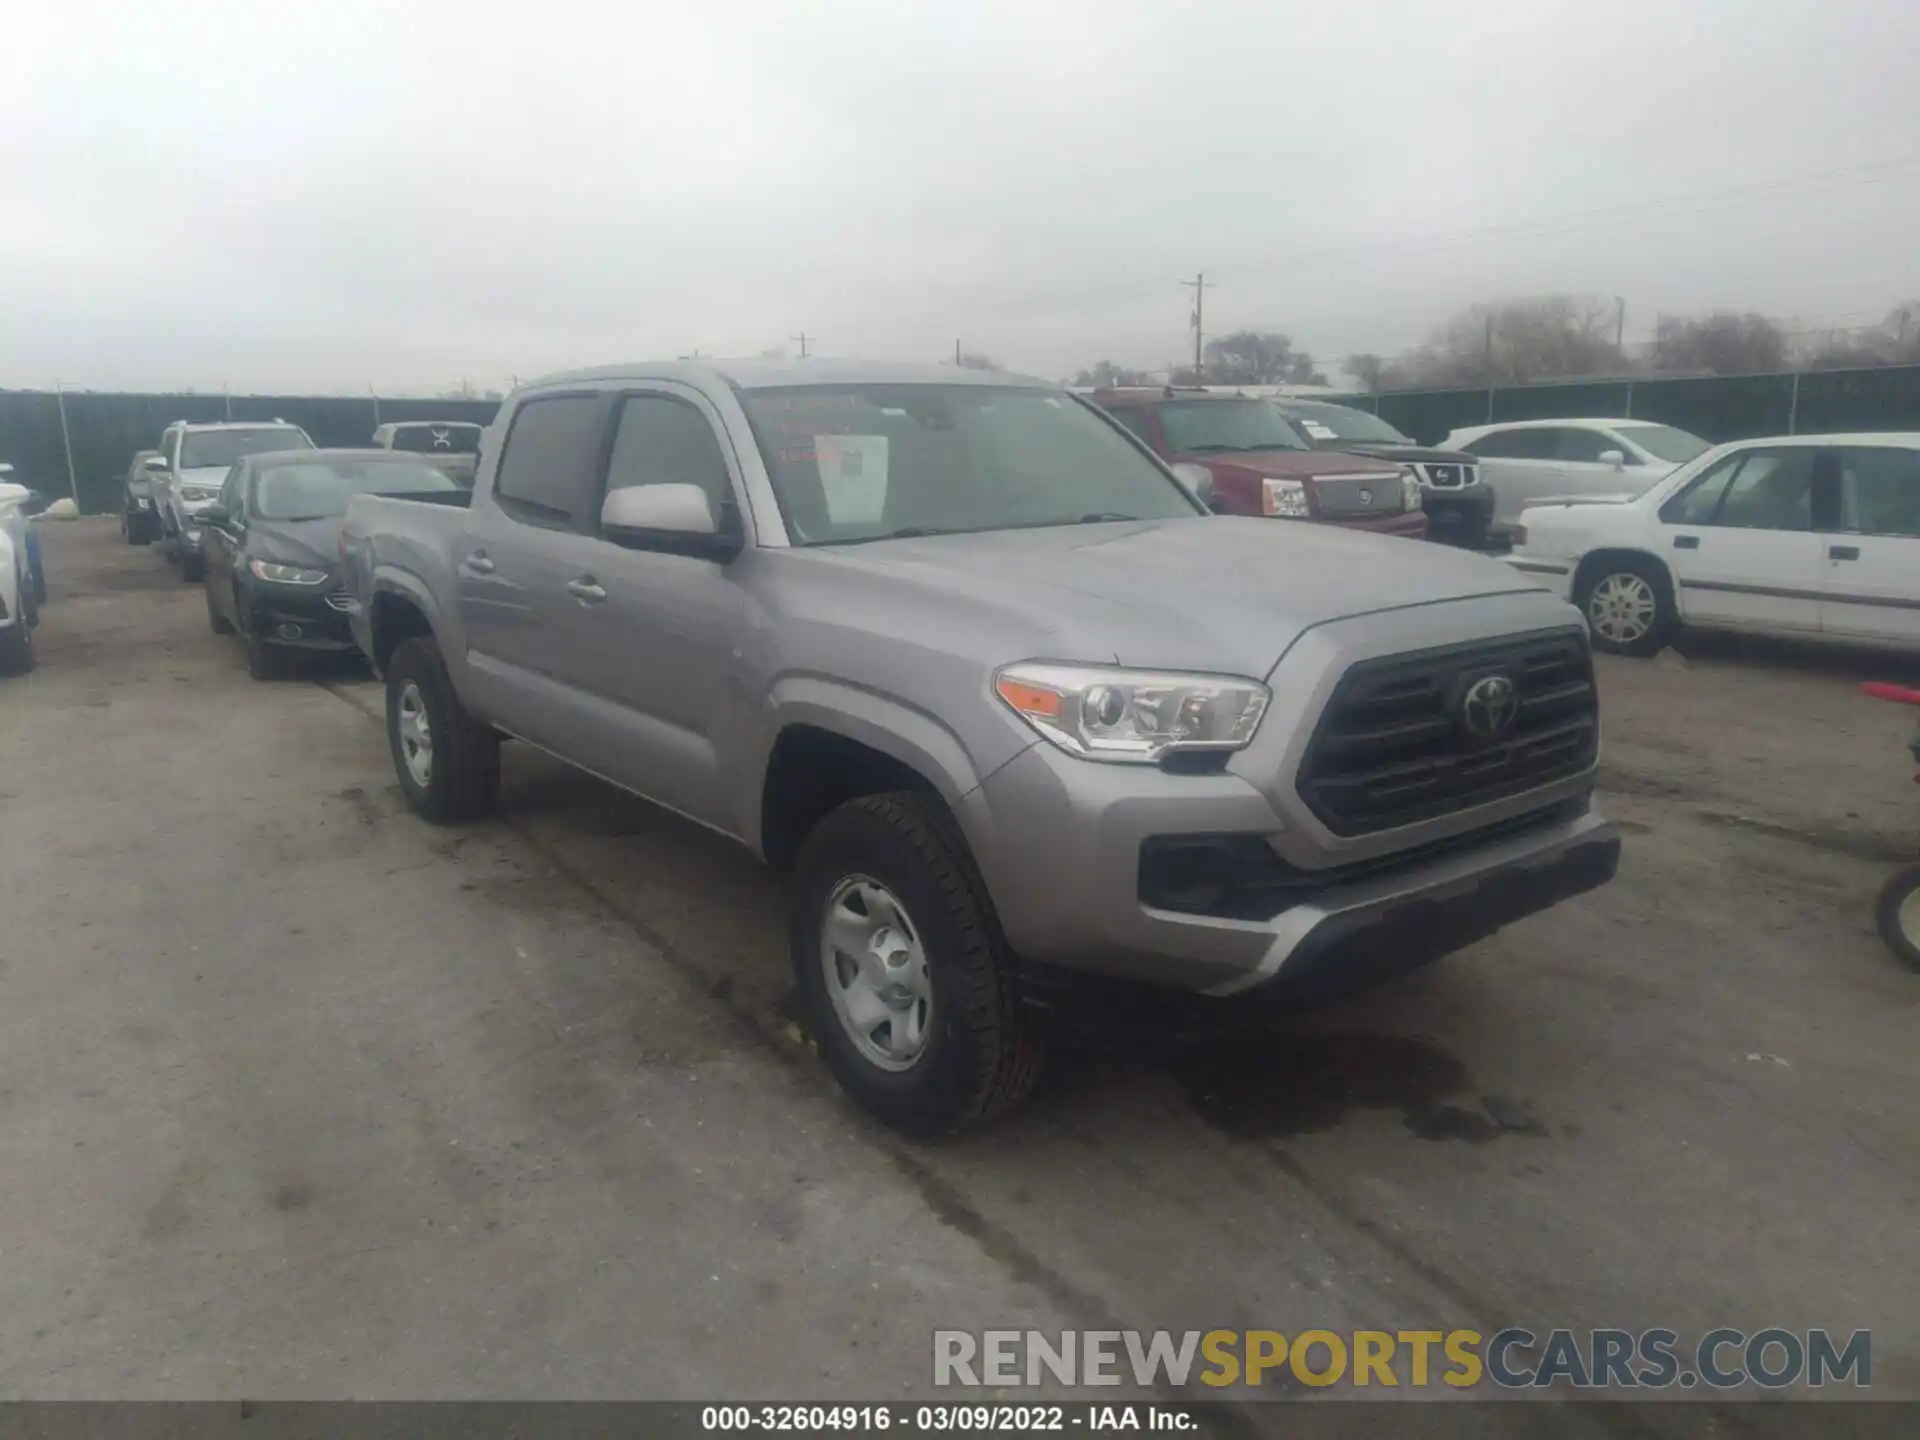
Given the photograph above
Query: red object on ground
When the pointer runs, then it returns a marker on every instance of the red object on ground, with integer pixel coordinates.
(1899, 694)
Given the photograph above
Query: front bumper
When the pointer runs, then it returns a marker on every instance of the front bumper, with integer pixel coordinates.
(1060, 842)
(1471, 508)
(299, 619)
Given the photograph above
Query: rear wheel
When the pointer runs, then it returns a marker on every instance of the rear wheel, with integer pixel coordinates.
(1628, 605)
(907, 982)
(1899, 915)
(447, 762)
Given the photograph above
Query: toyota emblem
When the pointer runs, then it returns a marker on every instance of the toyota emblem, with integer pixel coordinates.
(1490, 707)
(1366, 497)
(442, 439)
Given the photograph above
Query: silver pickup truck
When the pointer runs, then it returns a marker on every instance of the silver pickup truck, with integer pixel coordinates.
(1011, 704)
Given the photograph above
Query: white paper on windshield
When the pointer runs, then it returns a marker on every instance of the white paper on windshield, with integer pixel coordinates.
(1317, 430)
(853, 474)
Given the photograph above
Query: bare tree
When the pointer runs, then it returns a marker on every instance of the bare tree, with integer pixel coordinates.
(1720, 344)
(1369, 370)
(1259, 357)
(1894, 341)
(1104, 373)
(1511, 342)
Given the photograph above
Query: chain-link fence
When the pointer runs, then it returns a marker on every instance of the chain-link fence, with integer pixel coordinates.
(81, 442)
(1715, 407)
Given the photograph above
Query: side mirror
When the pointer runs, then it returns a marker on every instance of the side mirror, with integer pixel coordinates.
(1198, 480)
(1616, 458)
(155, 463)
(677, 519)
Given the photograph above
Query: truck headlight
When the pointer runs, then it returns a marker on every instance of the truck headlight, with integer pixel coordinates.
(286, 574)
(1284, 497)
(1409, 489)
(1102, 713)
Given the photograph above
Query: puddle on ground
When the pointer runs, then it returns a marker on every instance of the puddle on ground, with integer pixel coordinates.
(1282, 1083)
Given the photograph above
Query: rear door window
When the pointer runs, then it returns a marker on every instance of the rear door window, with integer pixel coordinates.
(546, 472)
(1880, 486)
(1514, 445)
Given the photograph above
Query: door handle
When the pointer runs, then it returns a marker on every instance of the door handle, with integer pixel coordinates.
(1843, 552)
(585, 588)
(1686, 542)
(477, 564)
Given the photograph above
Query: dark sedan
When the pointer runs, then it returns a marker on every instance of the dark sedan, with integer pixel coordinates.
(1459, 504)
(273, 542)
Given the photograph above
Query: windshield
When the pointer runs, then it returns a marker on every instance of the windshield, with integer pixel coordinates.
(1200, 427)
(320, 489)
(206, 449)
(867, 462)
(1326, 425)
(1664, 442)
(437, 439)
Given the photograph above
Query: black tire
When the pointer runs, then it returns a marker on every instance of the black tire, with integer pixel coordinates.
(463, 774)
(16, 641)
(192, 567)
(265, 660)
(1597, 575)
(982, 1053)
(1897, 895)
(216, 622)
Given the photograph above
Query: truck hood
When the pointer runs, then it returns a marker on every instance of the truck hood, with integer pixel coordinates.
(1226, 594)
(1287, 464)
(1411, 454)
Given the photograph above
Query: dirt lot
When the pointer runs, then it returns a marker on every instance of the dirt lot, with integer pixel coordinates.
(301, 1097)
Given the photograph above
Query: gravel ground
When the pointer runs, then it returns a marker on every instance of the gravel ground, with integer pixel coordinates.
(301, 1097)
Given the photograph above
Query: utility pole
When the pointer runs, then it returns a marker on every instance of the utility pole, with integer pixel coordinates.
(1199, 287)
(956, 351)
(66, 443)
(1486, 357)
(1619, 321)
(802, 338)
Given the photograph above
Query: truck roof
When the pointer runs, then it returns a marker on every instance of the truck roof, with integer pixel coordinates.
(778, 374)
(233, 425)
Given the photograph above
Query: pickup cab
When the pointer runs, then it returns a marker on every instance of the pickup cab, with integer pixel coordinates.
(1014, 709)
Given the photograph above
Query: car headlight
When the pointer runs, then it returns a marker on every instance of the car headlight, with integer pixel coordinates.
(1409, 489)
(1137, 716)
(286, 574)
(1284, 497)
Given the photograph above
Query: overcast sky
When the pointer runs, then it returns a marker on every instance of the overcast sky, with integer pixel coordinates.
(303, 196)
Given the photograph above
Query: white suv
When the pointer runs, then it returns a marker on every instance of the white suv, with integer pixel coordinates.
(1527, 461)
(198, 458)
(1816, 536)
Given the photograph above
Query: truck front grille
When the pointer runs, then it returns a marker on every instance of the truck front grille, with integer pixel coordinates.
(1341, 495)
(1397, 744)
(1446, 477)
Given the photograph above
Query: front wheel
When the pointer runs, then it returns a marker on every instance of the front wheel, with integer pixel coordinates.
(448, 763)
(1899, 915)
(1628, 606)
(905, 977)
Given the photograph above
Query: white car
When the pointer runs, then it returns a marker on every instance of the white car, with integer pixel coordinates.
(1815, 536)
(18, 612)
(198, 458)
(1527, 461)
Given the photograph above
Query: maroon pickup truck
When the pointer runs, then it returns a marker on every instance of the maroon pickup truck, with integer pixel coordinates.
(1261, 466)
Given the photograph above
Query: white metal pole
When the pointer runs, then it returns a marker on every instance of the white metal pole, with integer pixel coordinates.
(66, 443)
